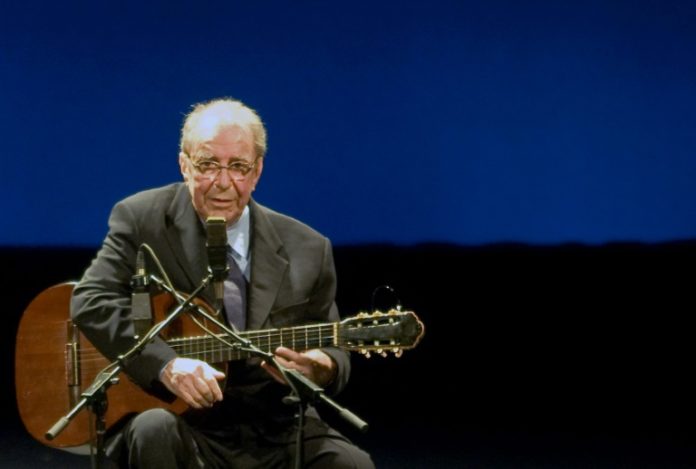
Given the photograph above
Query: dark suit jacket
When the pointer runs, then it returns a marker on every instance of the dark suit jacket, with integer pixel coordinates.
(293, 282)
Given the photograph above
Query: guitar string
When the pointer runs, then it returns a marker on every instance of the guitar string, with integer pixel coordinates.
(93, 365)
(97, 361)
(311, 332)
(270, 338)
(205, 348)
(200, 345)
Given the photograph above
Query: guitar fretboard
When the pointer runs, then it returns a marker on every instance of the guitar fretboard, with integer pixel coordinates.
(212, 350)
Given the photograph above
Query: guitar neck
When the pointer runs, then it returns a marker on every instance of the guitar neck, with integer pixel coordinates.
(215, 350)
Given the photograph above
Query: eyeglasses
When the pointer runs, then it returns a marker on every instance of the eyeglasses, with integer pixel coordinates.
(236, 170)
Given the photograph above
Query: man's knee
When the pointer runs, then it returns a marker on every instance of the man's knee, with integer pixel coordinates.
(340, 455)
(353, 459)
(152, 425)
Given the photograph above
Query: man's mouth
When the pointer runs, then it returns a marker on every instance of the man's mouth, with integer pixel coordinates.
(218, 201)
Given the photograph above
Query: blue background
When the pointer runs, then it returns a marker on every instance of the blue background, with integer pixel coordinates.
(389, 121)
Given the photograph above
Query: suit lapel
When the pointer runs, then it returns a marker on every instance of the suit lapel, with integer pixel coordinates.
(186, 237)
(268, 267)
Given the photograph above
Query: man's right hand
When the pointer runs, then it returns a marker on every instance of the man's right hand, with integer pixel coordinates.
(194, 381)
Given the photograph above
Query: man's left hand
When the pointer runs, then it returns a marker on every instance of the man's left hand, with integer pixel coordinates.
(313, 364)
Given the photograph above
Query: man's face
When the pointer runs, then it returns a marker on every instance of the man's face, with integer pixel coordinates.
(221, 193)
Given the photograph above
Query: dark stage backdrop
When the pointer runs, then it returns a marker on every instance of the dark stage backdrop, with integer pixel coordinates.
(568, 356)
(390, 121)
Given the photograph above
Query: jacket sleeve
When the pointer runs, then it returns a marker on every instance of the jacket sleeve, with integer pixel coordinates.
(325, 292)
(101, 302)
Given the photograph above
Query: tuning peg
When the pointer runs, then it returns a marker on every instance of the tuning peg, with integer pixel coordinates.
(365, 352)
(383, 354)
(397, 352)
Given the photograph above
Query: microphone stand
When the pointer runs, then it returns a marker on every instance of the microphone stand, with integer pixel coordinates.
(303, 390)
(94, 396)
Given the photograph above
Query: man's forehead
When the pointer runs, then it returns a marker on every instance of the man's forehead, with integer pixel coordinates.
(209, 129)
(229, 138)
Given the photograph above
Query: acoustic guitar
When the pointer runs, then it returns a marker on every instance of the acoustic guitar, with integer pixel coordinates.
(54, 362)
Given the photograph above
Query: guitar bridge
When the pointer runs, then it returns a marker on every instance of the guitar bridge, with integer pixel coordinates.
(72, 363)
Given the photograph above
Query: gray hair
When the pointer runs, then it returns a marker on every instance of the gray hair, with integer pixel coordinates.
(206, 118)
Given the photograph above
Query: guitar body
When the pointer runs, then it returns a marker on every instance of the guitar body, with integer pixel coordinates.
(54, 363)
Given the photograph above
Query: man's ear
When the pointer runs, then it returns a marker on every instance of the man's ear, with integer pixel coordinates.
(184, 166)
(257, 173)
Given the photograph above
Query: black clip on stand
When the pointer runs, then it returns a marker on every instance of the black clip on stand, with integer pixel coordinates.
(94, 396)
(304, 391)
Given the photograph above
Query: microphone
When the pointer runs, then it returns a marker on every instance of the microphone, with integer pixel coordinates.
(141, 301)
(217, 253)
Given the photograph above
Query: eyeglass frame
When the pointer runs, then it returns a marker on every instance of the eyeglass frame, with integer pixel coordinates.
(229, 167)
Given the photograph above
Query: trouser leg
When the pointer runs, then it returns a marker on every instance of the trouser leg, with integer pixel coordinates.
(157, 438)
(326, 448)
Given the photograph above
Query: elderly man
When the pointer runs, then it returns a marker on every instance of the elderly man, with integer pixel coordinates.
(281, 274)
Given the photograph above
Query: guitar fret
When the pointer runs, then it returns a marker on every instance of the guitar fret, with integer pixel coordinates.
(187, 346)
(282, 338)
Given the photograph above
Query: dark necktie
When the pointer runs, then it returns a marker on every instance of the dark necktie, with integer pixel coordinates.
(235, 295)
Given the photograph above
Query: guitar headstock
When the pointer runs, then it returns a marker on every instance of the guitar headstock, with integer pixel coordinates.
(393, 331)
